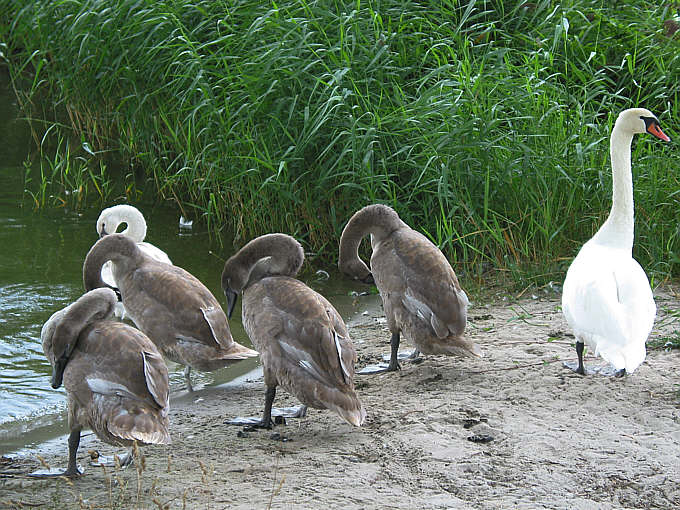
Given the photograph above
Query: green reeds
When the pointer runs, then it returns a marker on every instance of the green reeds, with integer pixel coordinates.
(63, 179)
(484, 123)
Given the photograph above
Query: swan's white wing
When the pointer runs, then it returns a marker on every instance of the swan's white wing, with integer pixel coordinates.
(154, 253)
(608, 303)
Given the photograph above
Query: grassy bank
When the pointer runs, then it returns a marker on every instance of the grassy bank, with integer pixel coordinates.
(484, 123)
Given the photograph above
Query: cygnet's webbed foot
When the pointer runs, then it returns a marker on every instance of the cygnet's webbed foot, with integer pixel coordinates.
(279, 415)
(289, 412)
(380, 368)
(57, 473)
(250, 423)
(394, 358)
(405, 356)
(110, 460)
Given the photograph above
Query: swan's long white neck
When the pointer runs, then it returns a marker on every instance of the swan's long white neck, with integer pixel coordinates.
(136, 228)
(618, 230)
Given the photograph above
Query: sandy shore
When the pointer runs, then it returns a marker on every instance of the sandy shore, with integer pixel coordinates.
(514, 430)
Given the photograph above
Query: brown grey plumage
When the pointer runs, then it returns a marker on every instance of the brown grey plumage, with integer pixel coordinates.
(303, 342)
(115, 378)
(420, 292)
(178, 313)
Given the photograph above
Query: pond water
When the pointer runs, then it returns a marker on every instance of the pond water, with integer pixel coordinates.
(41, 256)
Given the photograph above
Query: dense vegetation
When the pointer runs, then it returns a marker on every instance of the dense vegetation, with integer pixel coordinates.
(484, 123)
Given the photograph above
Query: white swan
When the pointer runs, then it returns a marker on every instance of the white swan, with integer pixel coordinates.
(108, 222)
(607, 299)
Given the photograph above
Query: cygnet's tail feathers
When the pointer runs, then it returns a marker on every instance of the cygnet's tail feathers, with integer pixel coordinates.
(238, 351)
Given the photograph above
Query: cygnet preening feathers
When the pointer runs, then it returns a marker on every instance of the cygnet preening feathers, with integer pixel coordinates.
(178, 313)
(420, 291)
(115, 378)
(303, 342)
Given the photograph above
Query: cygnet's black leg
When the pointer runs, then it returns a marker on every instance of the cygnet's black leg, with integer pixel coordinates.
(578, 368)
(72, 470)
(187, 376)
(394, 361)
(266, 422)
(73, 443)
(383, 367)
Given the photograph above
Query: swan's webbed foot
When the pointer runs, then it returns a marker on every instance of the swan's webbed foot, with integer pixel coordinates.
(608, 370)
(266, 421)
(574, 366)
(578, 366)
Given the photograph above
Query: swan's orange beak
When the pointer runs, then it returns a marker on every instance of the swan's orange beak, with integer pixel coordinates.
(655, 130)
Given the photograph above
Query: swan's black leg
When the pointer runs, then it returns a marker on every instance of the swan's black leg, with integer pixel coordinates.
(579, 352)
(578, 368)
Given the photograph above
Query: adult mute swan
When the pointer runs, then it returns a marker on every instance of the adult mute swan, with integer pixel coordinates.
(303, 342)
(419, 289)
(606, 298)
(108, 222)
(178, 313)
(115, 378)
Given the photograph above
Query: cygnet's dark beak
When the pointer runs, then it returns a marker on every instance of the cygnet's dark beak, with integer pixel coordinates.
(58, 371)
(232, 296)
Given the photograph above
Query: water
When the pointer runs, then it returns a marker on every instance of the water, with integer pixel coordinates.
(41, 256)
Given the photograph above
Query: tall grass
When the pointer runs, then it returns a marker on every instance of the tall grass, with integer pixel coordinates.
(484, 123)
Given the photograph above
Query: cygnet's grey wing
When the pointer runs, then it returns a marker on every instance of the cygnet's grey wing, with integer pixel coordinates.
(118, 374)
(162, 297)
(308, 333)
(430, 287)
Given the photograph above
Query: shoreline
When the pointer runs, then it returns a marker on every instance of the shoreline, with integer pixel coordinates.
(511, 430)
